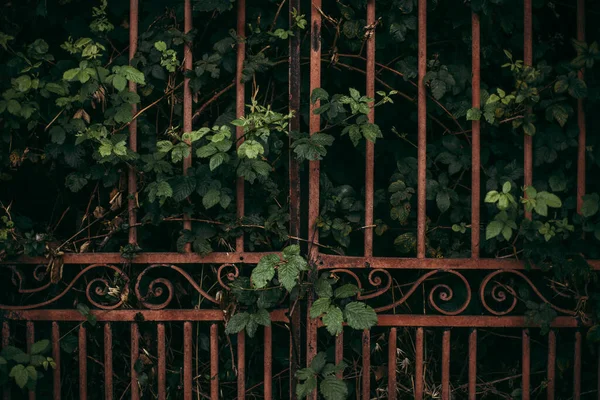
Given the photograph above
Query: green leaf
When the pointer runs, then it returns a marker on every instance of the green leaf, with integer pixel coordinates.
(40, 347)
(493, 229)
(360, 316)
(20, 375)
(264, 270)
(318, 362)
(288, 274)
(32, 372)
(347, 290)
(160, 46)
(250, 149)
(10, 352)
(590, 205)
(473, 114)
(370, 131)
(216, 160)
(323, 288)
(319, 307)
(333, 388)
(262, 317)
(237, 323)
(318, 94)
(333, 320)
(306, 388)
(438, 88)
(211, 198)
(442, 200)
(119, 82)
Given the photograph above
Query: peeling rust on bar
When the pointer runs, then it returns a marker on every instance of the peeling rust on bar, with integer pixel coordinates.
(131, 173)
(370, 146)
(5, 342)
(473, 365)
(108, 362)
(241, 366)
(30, 339)
(526, 366)
(475, 140)
(135, 351)
(56, 358)
(392, 395)
(366, 364)
(239, 110)
(82, 362)
(419, 344)
(187, 101)
(162, 361)
(550, 388)
(422, 131)
(214, 361)
(268, 363)
(187, 360)
(446, 365)
(339, 352)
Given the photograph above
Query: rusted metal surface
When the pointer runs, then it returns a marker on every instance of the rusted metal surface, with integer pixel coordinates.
(339, 351)
(83, 362)
(581, 149)
(214, 361)
(370, 146)
(187, 360)
(187, 101)
(241, 366)
(366, 364)
(56, 358)
(475, 137)
(30, 339)
(577, 367)
(446, 365)
(473, 365)
(268, 364)
(422, 131)
(135, 352)
(419, 350)
(239, 109)
(162, 361)
(392, 348)
(131, 173)
(528, 61)
(551, 365)
(526, 365)
(108, 362)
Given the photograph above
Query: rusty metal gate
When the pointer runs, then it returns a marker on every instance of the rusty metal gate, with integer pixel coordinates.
(53, 316)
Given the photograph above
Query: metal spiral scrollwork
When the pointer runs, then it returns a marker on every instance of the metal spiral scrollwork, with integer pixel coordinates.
(162, 289)
(445, 293)
(231, 275)
(502, 293)
(97, 288)
(374, 280)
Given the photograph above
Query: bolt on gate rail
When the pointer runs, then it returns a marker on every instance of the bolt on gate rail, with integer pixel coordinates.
(377, 268)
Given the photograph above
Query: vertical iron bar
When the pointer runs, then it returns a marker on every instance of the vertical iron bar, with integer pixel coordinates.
(314, 127)
(392, 342)
(550, 388)
(528, 61)
(187, 360)
(294, 176)
(5, 342)
(313, 173)
(581, 114)
(526, 366)
(135, 352)
(577, 367)
(241, 366)
(422, 131)
(187, 101)
(446, 365)
(108, 362)
(82, 362)
(473, 365)
(366, 364)
(30, 339)
(419, 365)
(239, 107)
(370, 146)
(475, 131)
(56, 358)
(162, 361)
(268, 368)
(214, 362)
(339, 352)
(131, 174)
